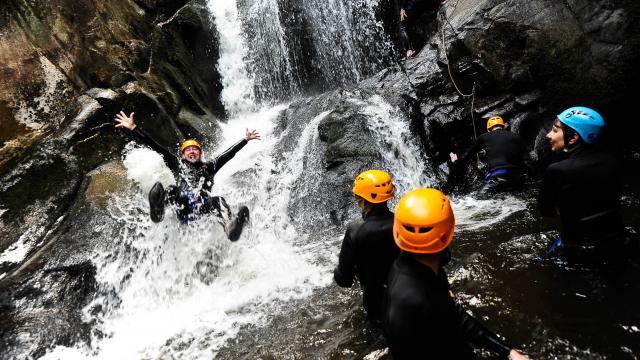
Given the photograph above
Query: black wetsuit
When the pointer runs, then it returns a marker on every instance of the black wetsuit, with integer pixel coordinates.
(195, 180)
(413, 9)
(368, 250)
(505, 156)
(585, 190)
(422, 320)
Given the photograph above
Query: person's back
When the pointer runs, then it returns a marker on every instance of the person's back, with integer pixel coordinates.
(372, 251)
(504, 154)
(421, 317)
(368, 248)
(504, 149)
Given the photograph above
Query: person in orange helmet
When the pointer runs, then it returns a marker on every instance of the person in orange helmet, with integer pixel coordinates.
(422, 319)
(505, 156)
(367, 248)
(194, 178)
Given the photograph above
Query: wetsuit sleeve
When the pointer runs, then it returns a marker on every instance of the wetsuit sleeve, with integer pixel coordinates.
(169, 158)
(464, 159)
(479, 335)
(227, 155)
(346, 269)
(547, 197)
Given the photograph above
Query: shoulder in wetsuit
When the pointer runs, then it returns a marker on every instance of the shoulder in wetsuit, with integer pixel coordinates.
(423, 321)
(367, 252)
(504, 149)
(584, 190)
(191, 174)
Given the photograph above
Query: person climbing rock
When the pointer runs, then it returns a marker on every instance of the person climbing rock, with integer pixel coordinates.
(422, 319)
(194, 178)
(409, 13)
(505, 156)
(367, 248)
(584, 190)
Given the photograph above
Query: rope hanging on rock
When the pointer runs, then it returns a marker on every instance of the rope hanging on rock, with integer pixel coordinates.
(473, 90)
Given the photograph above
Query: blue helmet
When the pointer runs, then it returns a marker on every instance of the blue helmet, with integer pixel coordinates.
(585, 121)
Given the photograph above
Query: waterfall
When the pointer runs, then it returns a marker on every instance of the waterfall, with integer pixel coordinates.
(173, 291)
(311, 45)
(238, 84)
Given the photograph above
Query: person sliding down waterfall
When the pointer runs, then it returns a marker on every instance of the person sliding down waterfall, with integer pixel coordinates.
(195, 180)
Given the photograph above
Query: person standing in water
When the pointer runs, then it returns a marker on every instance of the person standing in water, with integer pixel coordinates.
(422, 318)
(584, 191)
(367, 248)
(505, 156)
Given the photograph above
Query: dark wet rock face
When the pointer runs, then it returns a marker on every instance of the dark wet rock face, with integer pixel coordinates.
(67, 68)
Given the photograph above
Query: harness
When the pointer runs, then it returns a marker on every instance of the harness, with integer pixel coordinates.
(491, 174)
(192, 204)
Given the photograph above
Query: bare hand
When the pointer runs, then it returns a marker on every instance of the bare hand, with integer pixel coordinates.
(514, 355)
(453, 157)
(251, 135)
(125, 121)
(403, 15)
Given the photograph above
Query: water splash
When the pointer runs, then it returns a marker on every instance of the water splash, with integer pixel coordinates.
(474, 214)
(238, 85)
(400, 152)
(185, 290)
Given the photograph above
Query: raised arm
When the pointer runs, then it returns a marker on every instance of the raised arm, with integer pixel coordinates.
(228, 154)
(128, 122)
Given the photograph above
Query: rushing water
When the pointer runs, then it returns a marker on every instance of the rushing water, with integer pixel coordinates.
(172, 291)
(297, 46)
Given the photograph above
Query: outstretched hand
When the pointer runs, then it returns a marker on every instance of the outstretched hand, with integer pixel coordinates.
(251, 135)
(453, 157)
(125, 121)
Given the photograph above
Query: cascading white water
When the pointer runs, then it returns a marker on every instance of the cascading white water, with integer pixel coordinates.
(326, 44)
(238, 84)
(173, 291)
(182, 291)
(348, 41)
(273, 63)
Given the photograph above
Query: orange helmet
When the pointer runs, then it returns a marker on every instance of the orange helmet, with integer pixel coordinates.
(190, 142)
(374, 186)
(423, 222)
(493, 121)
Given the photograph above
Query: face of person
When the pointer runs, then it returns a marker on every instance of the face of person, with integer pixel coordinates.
(556, 137)
(191, 154)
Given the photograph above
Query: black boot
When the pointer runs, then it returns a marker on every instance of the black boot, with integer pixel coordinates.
(236, 225)
(156, 202)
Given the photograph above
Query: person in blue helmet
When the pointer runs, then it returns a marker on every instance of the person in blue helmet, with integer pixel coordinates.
(584, 191)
